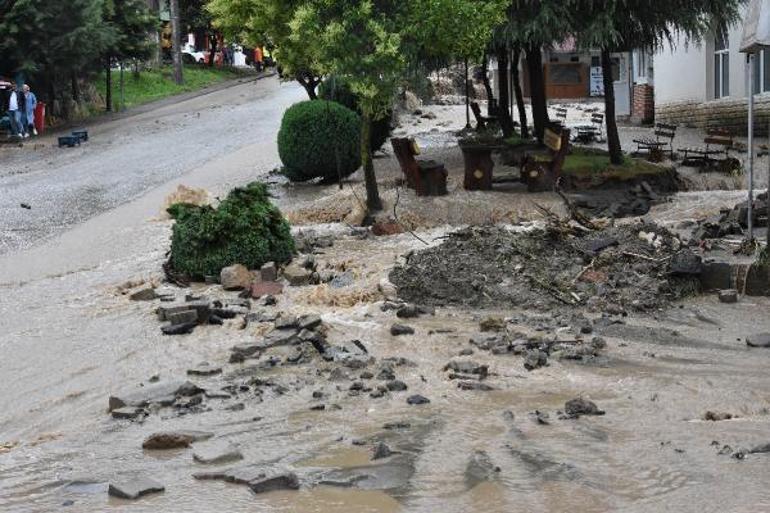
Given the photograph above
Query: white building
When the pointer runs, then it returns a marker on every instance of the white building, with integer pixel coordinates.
(706, 83)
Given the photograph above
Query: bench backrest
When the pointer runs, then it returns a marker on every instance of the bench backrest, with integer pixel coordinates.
(477, 114)
(558, 145)
(719, 137)
(561, 113)
(597, 119)
(665, 131)
(405, 150)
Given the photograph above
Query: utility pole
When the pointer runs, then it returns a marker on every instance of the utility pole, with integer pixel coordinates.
(176, 42)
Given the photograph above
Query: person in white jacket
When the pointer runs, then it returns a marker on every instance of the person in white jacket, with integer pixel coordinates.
(14, 114)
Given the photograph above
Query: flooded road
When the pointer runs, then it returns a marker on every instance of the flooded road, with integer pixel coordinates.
(69, 340)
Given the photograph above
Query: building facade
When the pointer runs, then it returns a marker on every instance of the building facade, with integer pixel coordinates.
(705, 84)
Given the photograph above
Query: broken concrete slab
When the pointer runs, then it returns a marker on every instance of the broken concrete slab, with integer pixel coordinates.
(265, 289)
(174, 439)
(204, 369)
(758, 340)
(216, 453)
(401, 329)
(287, 481)
(297, 275)
(158, 392)
(134, 488)
(146, 293)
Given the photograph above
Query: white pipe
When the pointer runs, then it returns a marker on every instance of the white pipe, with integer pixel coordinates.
(751, 147)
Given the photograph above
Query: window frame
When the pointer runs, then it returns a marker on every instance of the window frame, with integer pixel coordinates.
(721, 65)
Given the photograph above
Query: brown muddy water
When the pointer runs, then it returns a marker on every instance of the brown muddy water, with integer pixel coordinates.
(70, 341)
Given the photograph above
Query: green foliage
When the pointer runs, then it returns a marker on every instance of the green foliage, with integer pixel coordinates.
(131, 22)
(338, 90)
(245, 229)
(315, 137)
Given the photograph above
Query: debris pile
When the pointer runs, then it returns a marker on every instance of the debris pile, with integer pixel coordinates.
(628, 203)
(614, 269)
(734, 221)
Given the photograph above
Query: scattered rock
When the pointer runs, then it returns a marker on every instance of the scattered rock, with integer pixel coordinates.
(127, 413)
(288, 481)
(286, 322)
(417, 399)
(535, 359)
(728, 296)
(204, 369)
(159, 393)
(540, 417)
(492, 324)
(235, 277)
(396, 385)
(717, 416)
(408, 312)
(381, 451)
(266, 289)
(342, 280)
(179, 329)
(146, 293)
(174, 439)
(269, 272)
(467, 367)
(308, 322)
(134, 488)
(401, 329)
(580, 406)
(216, 452)
(474, 385)
(758, 340)
(297, 275)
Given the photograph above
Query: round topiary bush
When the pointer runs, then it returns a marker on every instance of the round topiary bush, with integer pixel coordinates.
(246, 228)
(338, 90)
(315, 137)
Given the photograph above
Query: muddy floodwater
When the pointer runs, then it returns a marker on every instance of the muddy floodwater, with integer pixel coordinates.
(69, 340)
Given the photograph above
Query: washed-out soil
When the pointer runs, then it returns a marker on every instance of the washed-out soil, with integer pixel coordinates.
(610, 270)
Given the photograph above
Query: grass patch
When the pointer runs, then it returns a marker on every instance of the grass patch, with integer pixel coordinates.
(587, 163)
(151, 85)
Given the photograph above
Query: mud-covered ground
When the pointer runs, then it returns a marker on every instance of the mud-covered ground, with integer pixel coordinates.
(495, 435)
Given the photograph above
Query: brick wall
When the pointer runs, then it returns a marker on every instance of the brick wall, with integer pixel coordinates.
(643, 108)
(728, 113)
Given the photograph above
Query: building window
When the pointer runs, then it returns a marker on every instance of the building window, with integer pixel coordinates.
(721, 65)
(762, 72)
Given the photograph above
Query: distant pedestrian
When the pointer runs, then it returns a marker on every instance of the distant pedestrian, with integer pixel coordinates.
(14, 114)
(30, 101)
(21, 99)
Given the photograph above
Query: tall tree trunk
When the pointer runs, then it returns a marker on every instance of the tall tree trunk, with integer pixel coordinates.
(108, 99)
(122, 89)
(373, 201)
(214, 43)
(537, 90)
(503, 105)
(310, 85)
(176, 42)
(517, 91)
(75, 88)
(487, 85)
(613, 139)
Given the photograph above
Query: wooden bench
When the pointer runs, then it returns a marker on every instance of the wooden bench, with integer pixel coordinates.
(481, 120)
(592, 132)
(540, 173)
(664, 136)
(426, 177)
(561, 117)
(718, 143)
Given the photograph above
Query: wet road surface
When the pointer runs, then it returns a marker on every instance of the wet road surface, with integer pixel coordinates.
(126, 157)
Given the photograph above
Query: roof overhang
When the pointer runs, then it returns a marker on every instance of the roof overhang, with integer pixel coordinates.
(756, 26)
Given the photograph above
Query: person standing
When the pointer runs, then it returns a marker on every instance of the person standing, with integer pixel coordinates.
(21, 120)
(13, 112)
(30, 103)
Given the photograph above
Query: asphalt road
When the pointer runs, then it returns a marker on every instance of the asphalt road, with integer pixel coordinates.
(127, 157)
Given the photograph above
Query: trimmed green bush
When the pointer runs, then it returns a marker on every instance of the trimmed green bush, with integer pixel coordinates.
(338, 90)
(314, 135)
(245, 229)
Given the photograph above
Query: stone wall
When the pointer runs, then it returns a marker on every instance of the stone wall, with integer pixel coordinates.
(727, 113)
(643, 108)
